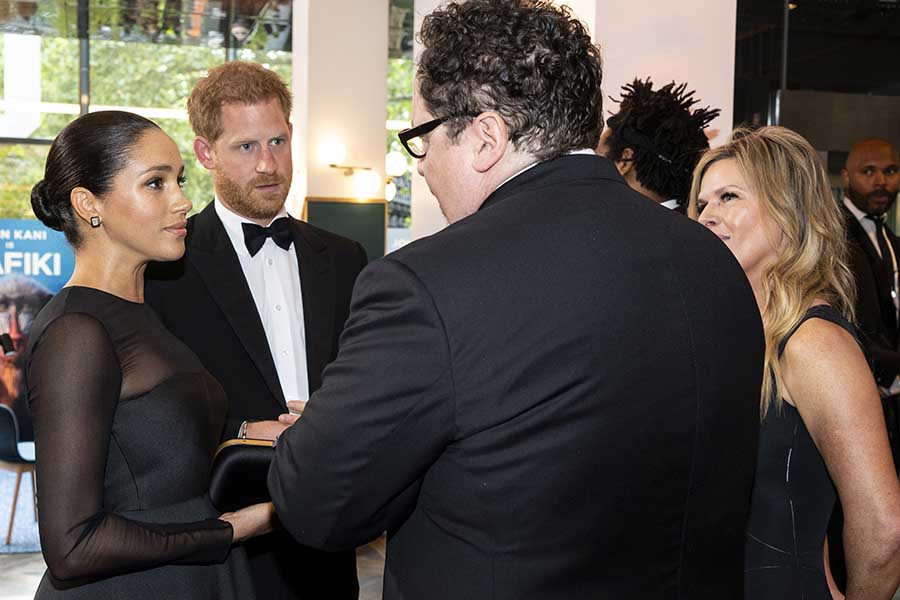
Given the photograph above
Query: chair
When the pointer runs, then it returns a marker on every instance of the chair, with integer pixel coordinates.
(17, 457)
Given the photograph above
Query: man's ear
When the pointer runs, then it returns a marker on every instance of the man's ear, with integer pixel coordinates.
(625, 164)
(491, 136)
(85, 204)
(845, 176)
(205, 154)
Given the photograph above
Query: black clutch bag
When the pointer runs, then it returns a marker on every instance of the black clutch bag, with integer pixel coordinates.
(239, 472)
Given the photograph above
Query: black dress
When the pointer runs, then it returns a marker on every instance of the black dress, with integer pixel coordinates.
(792, 500)
(126, 421)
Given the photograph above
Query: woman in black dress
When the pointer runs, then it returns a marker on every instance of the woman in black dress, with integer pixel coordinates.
(767, 196)
(126, 419)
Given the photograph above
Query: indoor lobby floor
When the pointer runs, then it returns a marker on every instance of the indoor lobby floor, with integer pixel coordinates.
(21, 573)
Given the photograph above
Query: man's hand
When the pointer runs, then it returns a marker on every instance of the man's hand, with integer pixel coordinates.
(296, 407)
(269, 430)
(266, 430)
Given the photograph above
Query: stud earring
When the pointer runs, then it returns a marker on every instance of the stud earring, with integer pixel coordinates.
(95, 221)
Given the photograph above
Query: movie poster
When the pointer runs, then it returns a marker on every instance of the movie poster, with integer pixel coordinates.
(35, 262)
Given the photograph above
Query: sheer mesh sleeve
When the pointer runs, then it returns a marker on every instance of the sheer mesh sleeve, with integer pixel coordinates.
(74, 379)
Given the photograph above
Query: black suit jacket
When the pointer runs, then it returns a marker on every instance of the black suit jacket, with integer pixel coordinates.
(204, 300)
(556, 397)
(876, 314)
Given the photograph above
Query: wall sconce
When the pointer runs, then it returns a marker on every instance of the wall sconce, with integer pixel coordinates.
(390, 190)
(395, 165)
(365, 181)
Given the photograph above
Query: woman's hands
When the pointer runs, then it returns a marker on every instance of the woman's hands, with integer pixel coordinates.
(251, 521)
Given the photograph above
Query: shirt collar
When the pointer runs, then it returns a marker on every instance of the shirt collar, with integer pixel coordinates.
(670, 204)
(860, 215)
(537, 162)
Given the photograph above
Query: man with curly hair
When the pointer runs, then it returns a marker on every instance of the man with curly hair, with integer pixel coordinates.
(547, 399)
(656, 139)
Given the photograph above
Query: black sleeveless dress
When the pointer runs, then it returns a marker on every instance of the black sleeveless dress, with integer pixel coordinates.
(791, 503)
(126, 421)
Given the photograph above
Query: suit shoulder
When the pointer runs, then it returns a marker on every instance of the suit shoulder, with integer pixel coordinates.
(329, 238)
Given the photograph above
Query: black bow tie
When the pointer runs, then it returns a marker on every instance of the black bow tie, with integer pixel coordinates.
(255, 236)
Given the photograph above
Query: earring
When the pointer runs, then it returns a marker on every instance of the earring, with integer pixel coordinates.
(95, 221)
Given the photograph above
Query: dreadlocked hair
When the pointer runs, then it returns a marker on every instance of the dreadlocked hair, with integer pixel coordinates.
(665, 136)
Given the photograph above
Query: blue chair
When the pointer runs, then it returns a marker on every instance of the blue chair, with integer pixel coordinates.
(17, 457)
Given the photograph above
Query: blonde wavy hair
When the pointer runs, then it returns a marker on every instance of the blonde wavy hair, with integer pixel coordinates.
(786, 175)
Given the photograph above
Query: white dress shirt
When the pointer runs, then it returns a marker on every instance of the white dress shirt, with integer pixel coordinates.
(670, 204)
(273, 276)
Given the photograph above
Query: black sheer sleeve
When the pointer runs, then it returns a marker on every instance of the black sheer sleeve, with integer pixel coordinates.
(74, 380)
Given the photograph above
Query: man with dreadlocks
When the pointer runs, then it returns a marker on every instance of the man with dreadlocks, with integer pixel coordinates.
(656, 139)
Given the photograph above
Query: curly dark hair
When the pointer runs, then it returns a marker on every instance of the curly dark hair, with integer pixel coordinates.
(665, 136)
(528, 60)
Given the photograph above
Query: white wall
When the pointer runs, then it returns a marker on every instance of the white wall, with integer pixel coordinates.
(340, 50)
(688, 41)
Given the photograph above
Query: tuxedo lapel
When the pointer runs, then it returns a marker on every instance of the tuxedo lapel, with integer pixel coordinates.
(217, 264)
(317, 280)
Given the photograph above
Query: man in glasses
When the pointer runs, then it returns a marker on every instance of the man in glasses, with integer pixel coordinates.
(656, 139)
(547, 399)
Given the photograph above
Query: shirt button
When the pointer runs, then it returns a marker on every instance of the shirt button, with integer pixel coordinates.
(269, 262)
(277, 307)
(284, 352)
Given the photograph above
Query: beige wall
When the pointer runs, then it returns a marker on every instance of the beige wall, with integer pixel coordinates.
(340, 90)
(688, 41)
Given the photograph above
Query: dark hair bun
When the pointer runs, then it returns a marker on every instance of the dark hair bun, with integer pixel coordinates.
(43, 206)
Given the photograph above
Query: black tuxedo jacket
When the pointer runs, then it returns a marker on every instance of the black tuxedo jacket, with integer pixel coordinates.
(876, 314)
(204, 300)
(556, 397)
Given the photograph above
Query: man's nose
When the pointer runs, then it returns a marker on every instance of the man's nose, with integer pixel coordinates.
(266, 162)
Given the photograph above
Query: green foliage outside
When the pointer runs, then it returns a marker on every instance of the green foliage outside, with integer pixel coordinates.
(399, 107)
(123, 74)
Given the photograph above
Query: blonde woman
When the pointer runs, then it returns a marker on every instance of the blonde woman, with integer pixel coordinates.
(765, 194)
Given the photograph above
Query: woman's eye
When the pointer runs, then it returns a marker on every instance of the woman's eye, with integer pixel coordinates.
(182, 180)
(245, 147)
(728, 196)
(155, 183)
(701, 206)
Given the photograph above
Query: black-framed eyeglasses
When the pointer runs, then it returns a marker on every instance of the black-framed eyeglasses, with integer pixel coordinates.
(412, 138)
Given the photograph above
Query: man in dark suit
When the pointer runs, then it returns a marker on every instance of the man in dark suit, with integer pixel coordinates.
(259, 296)
(871, 178)
(558, 395)
(656, 139)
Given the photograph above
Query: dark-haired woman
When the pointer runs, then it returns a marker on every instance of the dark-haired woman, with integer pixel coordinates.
(125, 418)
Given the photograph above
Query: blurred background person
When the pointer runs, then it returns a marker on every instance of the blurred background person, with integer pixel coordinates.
(126, 419)
(871, 180)
(766, 195)
(656, 139)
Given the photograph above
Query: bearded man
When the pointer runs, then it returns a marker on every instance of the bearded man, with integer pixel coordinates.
(259, 296)
(871, 182)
